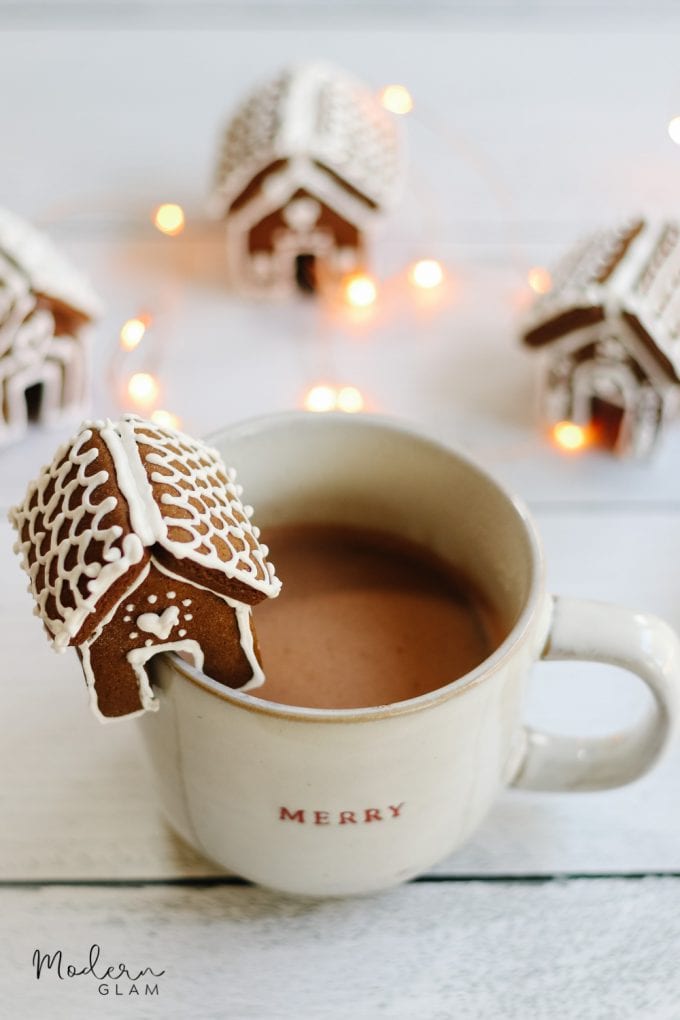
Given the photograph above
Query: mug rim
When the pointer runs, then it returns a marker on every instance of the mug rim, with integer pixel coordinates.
(487, 667)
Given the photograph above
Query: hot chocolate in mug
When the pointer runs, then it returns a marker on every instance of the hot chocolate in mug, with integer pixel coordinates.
(343, 801)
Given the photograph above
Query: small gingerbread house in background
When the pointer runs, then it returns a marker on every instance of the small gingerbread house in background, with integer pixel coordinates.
(135, 542)
(307, 164)
(609, 331)
(44, 306)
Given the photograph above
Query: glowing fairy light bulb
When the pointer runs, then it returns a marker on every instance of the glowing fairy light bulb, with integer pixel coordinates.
(360, 291)
(349, 399)
(169, 218)
(325, 397)
(132, 332)
(569, 436)
(674, 129)
(397, 99)
(426, 274)
(320, 398)
(166, 419)
(539, 279)
(143, 388)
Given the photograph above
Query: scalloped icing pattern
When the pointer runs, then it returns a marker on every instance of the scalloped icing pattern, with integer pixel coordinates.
(47, 270)
(64, 502)
(318, 111)
(192, 504)
(204, 522)
(31, 353)
(644, 282)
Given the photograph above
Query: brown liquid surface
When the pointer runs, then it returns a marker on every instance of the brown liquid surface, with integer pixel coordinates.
(365, 619)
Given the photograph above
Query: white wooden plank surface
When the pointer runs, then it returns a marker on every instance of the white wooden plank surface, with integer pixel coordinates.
(131, 118)
(80, 804)
(606, 950)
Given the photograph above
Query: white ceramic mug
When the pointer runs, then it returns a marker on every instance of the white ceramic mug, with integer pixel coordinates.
(335, 802)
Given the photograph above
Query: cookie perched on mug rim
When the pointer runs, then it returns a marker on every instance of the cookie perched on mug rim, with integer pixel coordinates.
(135, 541)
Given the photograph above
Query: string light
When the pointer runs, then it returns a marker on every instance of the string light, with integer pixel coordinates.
(166, 419)
(674, 129)
(324, 397)
(426, 274)
(143, 388)
(360, 291)
(569, 436)
(169, 218)
(397, 99)
(349, 399)
(320, 398)
(539, 279)
(132, 332)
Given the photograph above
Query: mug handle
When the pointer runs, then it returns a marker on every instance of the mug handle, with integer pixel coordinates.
(639, 642)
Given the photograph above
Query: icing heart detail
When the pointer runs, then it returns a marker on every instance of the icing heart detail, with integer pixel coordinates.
(160, 625)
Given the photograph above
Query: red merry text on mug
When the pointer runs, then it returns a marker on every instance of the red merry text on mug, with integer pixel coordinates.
(362, 817)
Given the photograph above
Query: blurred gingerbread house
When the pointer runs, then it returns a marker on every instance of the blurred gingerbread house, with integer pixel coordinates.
(609, 331)
(307, 163)
(44, 305)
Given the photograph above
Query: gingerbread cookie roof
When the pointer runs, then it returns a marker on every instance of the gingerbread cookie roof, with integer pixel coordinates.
(48, 272)
(320, 113)
(631, 273)
(81, 530)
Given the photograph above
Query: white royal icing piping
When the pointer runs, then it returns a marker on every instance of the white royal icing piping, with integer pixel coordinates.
(319, 111)
(35, 279)
(138, 658)
(119, 552)
(203, 526)
(48, 270)
(159, 624)
(243, 616)
(145, 516)
(151, 705)
(131, 479)
(643, 283)
(313, 116)
(85, 653)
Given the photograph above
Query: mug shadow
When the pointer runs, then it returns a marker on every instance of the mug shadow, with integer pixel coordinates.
(207, 886)
(235, 898)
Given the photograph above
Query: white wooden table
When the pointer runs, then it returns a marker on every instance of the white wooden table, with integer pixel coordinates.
(532, 124)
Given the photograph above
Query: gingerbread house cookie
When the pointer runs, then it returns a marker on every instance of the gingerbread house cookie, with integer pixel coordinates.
(609, 331)
(307, 163)
(135, 541)
(44, 306)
